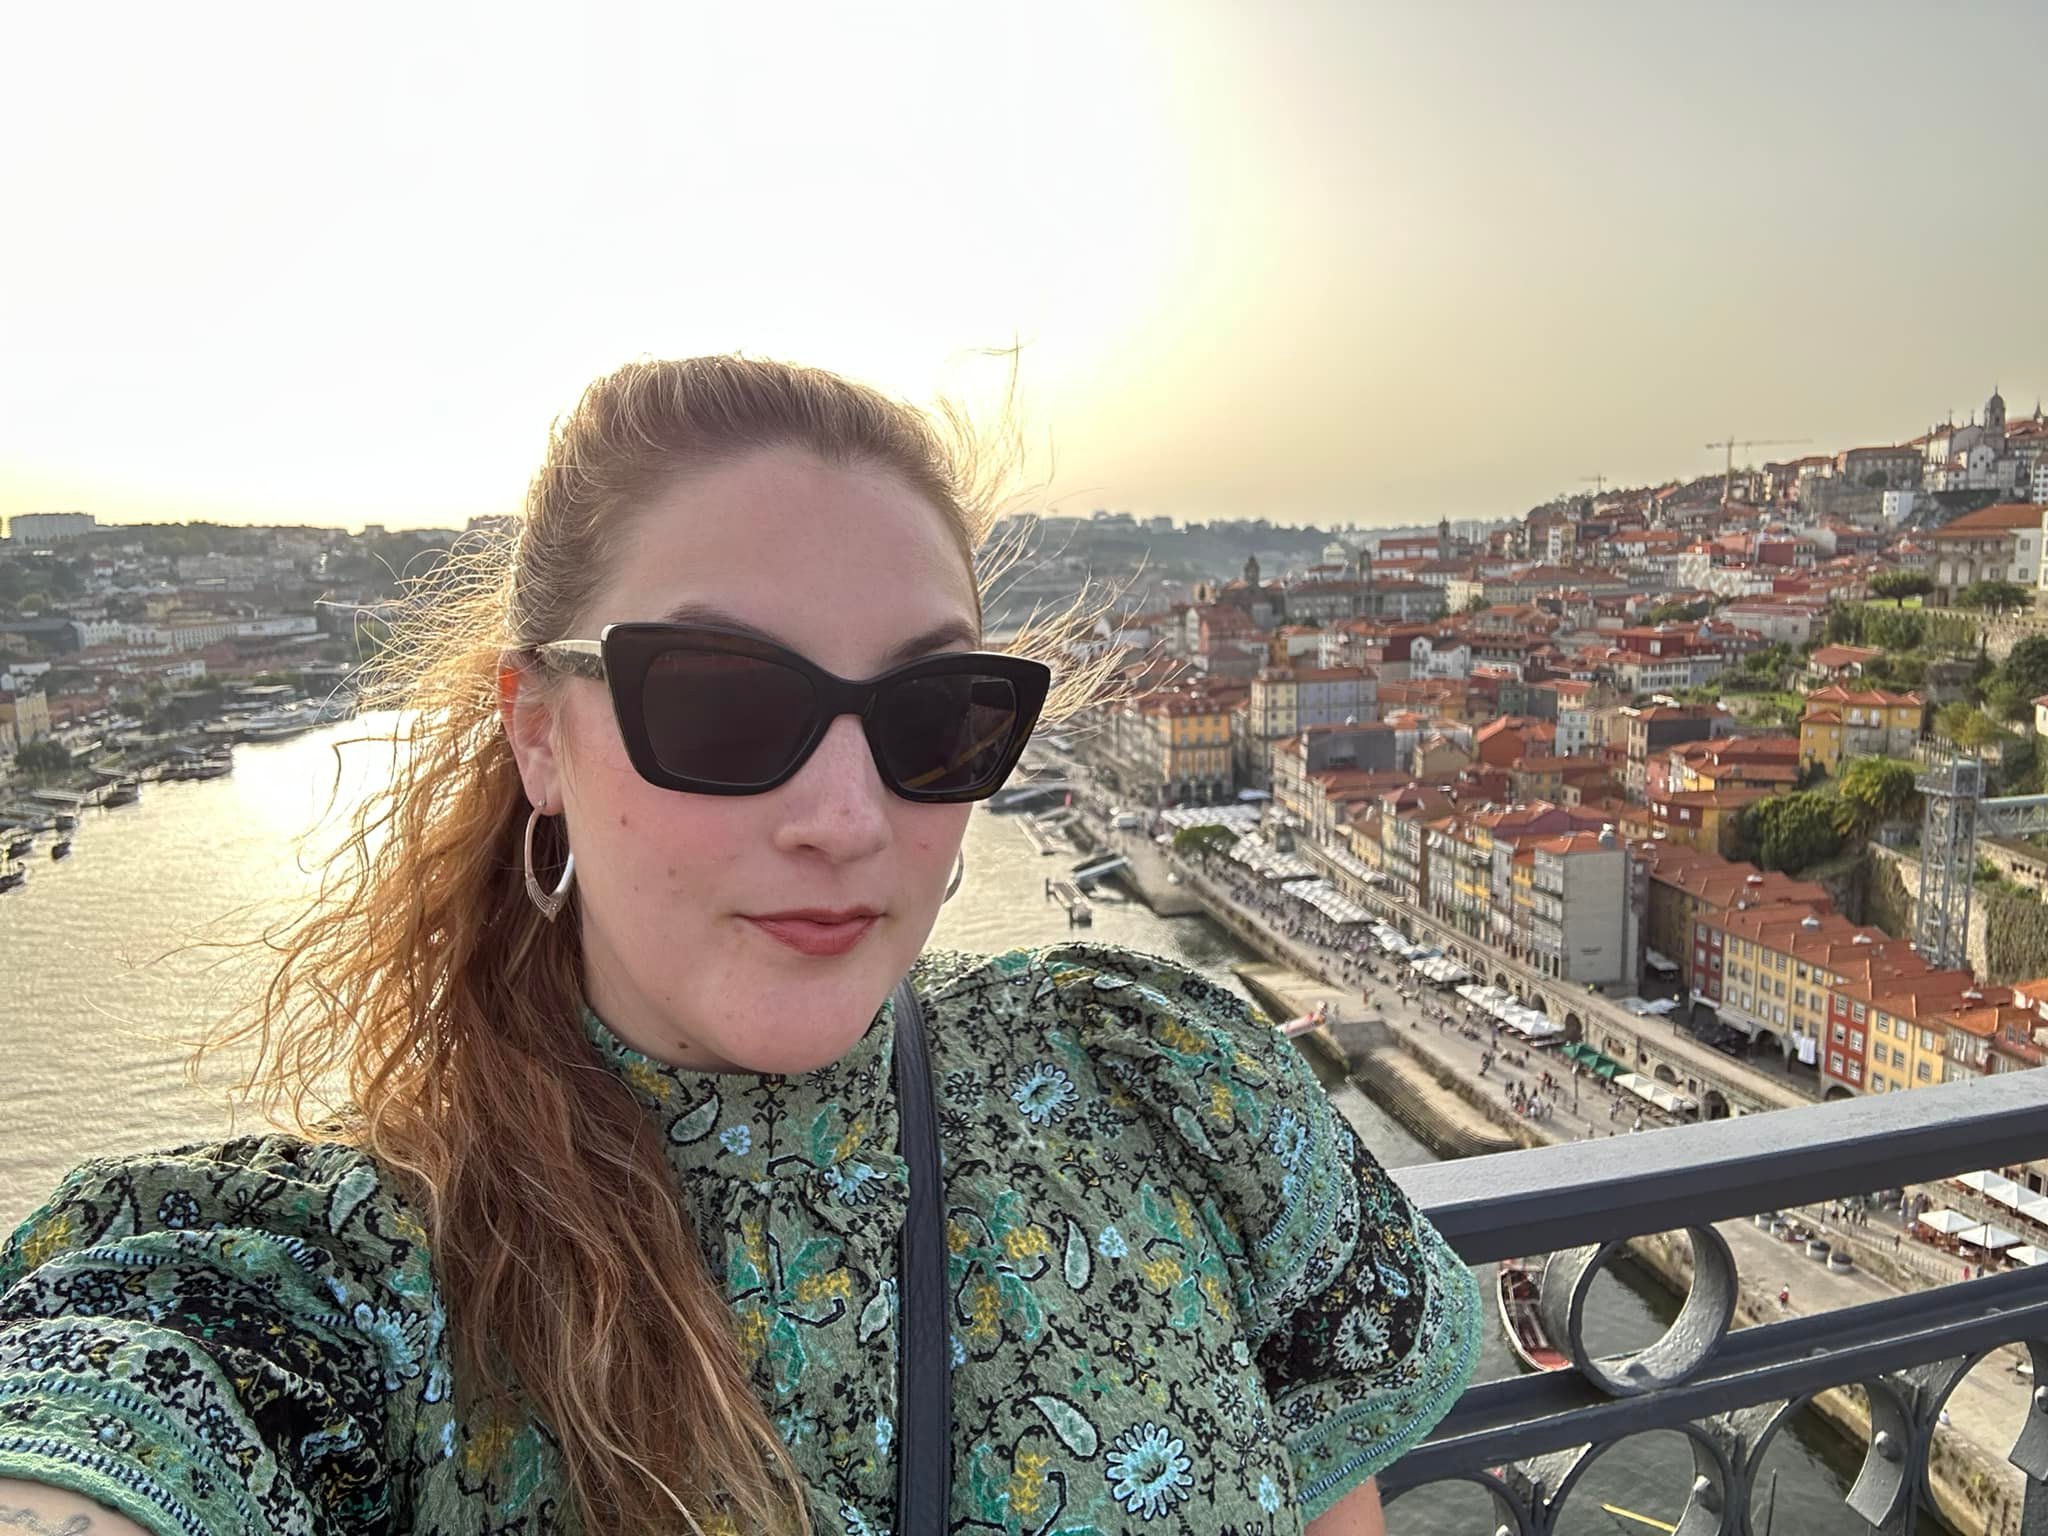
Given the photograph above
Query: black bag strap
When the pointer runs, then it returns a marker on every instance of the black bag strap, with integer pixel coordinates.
(924, 1409)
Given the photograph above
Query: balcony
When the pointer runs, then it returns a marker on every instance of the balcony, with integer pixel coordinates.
(1528, 1440)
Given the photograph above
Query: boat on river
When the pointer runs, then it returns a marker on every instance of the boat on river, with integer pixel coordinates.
(1520, 1297)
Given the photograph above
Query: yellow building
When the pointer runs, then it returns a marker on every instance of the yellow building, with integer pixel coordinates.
(25, 717)
(1907, 1036)
(1192, 737)
(1842, 724)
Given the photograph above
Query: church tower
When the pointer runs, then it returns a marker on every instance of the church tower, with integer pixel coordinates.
(1251, 572)
(1443, 538)
(1994, 416)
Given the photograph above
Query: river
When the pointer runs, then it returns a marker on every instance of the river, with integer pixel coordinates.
(96, 980)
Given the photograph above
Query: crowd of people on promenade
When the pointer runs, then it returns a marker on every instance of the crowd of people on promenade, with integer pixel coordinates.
(1350, 956)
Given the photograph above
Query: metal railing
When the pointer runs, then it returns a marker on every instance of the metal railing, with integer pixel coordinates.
(1527, 1441)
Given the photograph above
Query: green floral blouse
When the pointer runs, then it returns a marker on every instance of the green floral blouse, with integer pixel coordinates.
(1184, 1295)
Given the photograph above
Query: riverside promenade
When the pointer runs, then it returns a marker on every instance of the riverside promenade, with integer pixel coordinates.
(1972, 1474)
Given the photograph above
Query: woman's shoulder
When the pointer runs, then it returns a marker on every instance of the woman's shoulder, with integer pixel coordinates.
(1196, 1059)
(311, 1200)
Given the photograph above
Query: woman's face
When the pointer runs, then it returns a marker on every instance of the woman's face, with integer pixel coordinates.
(843, 566)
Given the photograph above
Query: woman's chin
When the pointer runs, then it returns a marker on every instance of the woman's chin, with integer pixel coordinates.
(808, 1048)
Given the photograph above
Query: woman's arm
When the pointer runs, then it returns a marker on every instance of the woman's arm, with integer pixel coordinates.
(36, 1509)
(1356, 1514)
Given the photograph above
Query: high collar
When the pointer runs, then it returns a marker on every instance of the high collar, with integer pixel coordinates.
(838, 1122)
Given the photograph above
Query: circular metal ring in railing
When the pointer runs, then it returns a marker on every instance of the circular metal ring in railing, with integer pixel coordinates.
(1510, 1517)
(1687, 1345)
(2030, 1451)
(1709, 1511)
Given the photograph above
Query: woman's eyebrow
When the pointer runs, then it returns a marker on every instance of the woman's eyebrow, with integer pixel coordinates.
(951, 632)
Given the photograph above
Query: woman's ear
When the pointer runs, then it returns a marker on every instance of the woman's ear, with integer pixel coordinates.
(529, 727)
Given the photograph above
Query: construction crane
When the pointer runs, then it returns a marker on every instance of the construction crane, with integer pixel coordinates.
(1598, 482)
(1731, 444)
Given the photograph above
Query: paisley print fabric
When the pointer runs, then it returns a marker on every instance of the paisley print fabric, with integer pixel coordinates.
(1184, 1297)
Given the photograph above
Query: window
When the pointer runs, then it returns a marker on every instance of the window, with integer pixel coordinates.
(1877, 1081)
(1856, 1013)
(1855, 1070)
(1855, 1039)
(1839, 1035)
(1835, 1062)
(1926, 1039)
(1923, 1073)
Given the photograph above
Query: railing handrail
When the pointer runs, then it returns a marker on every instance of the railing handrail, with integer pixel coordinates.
(1561, 1196)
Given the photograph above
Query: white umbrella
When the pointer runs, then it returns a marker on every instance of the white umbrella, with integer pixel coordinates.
(1988, 1236)
(2028, 1254)
(1946, 1222)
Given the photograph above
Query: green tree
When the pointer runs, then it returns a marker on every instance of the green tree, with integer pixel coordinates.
(1672, 613)
(1768, 662)
(1900, 585)
(1894, 629)
(1967, 727)
(2027, 666)
(1795, 830)
(2004, 700)
(42, 758)
(1998, 596)
(1195, 839)
(1873, 790)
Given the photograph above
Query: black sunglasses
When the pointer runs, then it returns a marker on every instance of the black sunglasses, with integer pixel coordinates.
(714, 712)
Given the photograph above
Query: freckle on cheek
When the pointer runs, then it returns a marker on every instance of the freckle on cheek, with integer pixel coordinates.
(622, 818)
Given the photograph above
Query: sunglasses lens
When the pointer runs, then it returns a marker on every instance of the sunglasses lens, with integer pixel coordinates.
(948, 733)
(723, 719)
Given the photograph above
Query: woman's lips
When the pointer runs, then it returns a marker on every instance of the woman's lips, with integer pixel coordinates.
(810, 938)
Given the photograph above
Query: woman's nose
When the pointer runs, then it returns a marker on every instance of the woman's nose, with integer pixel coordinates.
(837, 800)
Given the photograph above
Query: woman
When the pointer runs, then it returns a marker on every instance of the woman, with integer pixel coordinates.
(607, 1238)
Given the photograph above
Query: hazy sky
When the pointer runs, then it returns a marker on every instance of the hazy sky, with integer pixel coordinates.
(1308, 261)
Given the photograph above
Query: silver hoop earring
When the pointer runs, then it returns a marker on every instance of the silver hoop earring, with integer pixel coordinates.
(952, 885)
(550, 904)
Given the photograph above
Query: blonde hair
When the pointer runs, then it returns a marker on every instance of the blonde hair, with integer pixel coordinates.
(422, 977)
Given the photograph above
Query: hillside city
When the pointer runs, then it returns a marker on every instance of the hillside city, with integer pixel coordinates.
(1662, 737)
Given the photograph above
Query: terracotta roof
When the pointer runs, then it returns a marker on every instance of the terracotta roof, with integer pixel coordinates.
(1835, 693)
(2006, 517)
(1576, 842)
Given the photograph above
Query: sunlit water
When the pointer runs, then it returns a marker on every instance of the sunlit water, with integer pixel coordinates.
(95, 983)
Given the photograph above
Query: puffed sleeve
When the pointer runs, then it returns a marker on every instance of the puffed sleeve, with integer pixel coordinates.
(225, 1337)
(1365, 1324)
